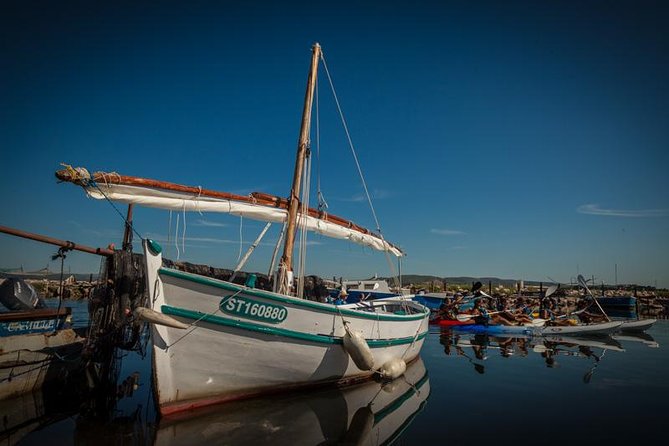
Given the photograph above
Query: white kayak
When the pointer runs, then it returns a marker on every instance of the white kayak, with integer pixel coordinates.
(631, 336)
(583, 329)
(640, 325)
(603, 342)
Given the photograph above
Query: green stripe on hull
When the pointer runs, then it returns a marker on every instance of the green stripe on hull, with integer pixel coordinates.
(275, 331)
(325, 308)
(380, 415)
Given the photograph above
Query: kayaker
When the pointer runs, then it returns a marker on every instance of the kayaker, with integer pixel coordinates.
(447, 309)
(591, 318)
(515, 316)
(481, 316)
(506, 317)
(341, 299)
(585, 316)
(552, 319)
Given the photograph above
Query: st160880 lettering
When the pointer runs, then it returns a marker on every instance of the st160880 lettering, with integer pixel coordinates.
(250, 309)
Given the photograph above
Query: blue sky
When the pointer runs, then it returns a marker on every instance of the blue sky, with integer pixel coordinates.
(511, 139)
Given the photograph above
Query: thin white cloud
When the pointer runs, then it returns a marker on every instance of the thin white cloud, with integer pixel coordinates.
(377, 194)
(595, 209)
(446, 232)
(210, 240)
(209, 223)
(101, 233)
(162, 239)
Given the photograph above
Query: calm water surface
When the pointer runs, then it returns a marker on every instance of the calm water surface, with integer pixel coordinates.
(465, 390)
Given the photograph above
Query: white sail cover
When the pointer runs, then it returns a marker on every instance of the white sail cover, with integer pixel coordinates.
(179, 201)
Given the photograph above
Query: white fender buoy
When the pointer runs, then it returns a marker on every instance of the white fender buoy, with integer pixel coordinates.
(358, 350)
(360, 428)
(393, 369)
(149, 315)
(539, 348)
(391, 386)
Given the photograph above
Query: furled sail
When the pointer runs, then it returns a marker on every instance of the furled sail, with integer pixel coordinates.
(256, 206)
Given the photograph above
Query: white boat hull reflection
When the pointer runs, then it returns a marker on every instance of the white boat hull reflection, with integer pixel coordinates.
(369, 413)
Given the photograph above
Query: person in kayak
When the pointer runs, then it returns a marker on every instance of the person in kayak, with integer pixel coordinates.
(552, 318)
(448, 309)
(587, 317)
(516, 316)
(480, 313)
(341, 299)
(504, 316)
(484, 317)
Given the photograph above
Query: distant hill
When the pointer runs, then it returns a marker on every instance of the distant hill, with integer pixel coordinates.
(50, 276)
(463, 280)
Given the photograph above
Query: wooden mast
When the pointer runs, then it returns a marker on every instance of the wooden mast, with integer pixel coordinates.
(286, 264)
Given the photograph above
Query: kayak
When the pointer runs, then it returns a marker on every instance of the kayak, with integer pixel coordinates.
(638, 336)
(640, 325)
(602, 342)
(450, 322)
(503, 329)
(599, 328)
(432, 302)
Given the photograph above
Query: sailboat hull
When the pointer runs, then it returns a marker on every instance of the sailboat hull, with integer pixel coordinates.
(244, 342)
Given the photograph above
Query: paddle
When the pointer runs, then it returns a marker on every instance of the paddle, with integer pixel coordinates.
(539, 322)
(539, 348)
(536, 323)
(582, 282)
(550, 290)
(477, 365)
(483, 293)
(465, 317)
(588, 376)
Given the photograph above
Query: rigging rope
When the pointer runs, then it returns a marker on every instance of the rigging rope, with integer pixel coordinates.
(304, 211)
(183, 234)
(176, 236)
(241, 241)
(362, 178)
(322, 204)
(169, 228)
(125, 220)
(276, 252)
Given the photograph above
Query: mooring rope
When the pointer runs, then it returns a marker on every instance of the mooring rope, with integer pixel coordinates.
(412, 342)
(192, 325)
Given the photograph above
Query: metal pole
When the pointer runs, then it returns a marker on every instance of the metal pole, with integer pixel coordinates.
(127, 234)
(241, 263)
(54, 241)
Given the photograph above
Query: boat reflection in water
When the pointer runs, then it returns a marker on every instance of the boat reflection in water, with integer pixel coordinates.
(27, 412)
(645, 338)
(369, 413)
(476, 348)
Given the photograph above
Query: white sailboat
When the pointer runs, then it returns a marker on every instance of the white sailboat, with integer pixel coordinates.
(217, 341)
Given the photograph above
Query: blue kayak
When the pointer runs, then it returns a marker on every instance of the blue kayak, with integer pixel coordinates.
(492, 329)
